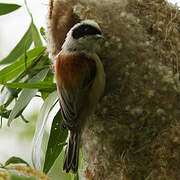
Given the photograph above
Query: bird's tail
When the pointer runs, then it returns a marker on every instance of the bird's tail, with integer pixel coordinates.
(71, 159)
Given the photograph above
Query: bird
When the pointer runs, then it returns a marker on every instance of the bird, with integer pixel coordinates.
(80, 80)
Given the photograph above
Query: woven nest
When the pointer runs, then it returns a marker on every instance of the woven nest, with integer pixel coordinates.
(135, 133)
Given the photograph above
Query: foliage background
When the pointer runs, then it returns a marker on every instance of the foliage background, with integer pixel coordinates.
(16, 140)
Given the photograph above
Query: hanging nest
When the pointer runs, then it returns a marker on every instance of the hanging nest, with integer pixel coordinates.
(135, 133)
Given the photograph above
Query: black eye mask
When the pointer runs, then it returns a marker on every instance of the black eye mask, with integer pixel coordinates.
(84, 30)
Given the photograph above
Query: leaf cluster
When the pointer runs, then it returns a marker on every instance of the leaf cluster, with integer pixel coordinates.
(25, 74)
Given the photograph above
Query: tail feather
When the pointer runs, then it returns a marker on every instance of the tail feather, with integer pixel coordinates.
(75, 162)
(71, 159)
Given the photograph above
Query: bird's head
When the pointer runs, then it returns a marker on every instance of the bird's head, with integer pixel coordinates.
(83, 36)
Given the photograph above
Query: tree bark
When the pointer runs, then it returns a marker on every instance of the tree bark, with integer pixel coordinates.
(135, 132)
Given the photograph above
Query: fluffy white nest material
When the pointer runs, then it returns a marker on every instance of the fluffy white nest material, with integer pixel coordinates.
(135, 131)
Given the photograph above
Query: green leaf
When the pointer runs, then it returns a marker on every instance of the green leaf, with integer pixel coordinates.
(55, 144)
(44, 94)
(50, 78)
(7, 8)
(7, 96)
(26, 95)
(19, 49)
(44, 85)
(5, 113)
(76, 176)
(15, 160)
(43, 34)
(38, 137)
(36, 36)
(17, 67)
(42, 31)
(35, 33)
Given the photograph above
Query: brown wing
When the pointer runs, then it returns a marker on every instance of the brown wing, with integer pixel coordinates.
(75, 75)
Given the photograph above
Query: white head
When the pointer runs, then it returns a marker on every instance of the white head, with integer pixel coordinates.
(83, 36)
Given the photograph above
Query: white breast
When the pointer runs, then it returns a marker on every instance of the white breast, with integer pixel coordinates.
(99, 81)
